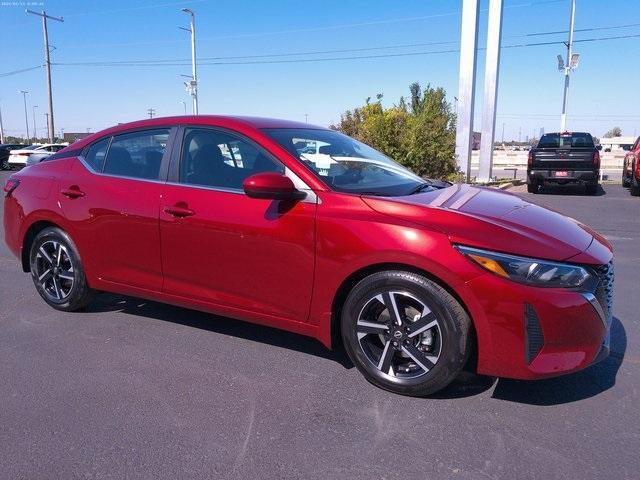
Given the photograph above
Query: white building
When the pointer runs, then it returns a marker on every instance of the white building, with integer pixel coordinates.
(617, 143)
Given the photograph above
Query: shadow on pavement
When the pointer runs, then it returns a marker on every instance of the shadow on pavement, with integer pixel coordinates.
(570, 388)
(572, 190)
(213, 323)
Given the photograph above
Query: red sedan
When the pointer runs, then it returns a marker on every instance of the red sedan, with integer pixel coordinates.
(305, 229)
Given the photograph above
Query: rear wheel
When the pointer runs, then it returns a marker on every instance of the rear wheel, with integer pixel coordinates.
(634, 189)
(533, 187)
(57, 271)
(405, 333)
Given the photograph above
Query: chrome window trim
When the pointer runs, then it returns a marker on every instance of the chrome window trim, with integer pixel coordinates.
(109, 175)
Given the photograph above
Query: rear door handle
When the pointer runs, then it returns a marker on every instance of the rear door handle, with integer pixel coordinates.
(179, 211)
(72, 192)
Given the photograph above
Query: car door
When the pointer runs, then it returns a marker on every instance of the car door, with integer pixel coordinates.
(112, 196)
(221, 247)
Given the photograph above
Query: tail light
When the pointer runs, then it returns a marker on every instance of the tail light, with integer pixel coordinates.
(636, 159)
(596, 159)
(530, 158)
(11, 185)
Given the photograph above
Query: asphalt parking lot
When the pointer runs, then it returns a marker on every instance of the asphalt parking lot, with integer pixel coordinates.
(135, 389)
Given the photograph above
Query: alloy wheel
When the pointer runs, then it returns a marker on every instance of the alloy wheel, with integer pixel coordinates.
(55, 270)
(399, 335)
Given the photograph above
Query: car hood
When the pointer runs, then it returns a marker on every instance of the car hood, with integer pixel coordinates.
(492, 219)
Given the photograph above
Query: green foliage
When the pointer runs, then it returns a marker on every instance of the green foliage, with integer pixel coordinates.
(418, 132)
(614, 132)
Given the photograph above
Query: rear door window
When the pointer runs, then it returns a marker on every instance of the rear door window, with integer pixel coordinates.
(137, 154)
(94, 156)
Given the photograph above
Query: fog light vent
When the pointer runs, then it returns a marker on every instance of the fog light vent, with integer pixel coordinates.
(533, 337)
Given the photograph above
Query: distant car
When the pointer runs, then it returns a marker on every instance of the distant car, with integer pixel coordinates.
(628, 164)
(564, 158)
(19, 157)
(5, 149)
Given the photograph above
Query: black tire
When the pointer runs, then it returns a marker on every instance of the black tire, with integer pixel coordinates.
(450, 338)
(65, 286)
(591, 189)
(634, 188)
(625, 182)
(4, 164)
(533, 187)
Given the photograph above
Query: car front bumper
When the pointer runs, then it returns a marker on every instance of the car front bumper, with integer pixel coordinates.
(531, 332)
(572, 176)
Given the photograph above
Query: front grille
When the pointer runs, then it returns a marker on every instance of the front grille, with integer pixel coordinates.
(604, 290)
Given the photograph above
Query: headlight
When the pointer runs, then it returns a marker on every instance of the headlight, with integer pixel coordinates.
(540, 273)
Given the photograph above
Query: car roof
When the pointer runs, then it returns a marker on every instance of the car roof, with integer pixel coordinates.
(229, 121)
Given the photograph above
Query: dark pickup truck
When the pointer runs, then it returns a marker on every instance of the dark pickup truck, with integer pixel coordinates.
(563, 158)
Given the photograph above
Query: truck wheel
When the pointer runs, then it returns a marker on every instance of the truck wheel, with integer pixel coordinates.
(533, 187)
(591, 189)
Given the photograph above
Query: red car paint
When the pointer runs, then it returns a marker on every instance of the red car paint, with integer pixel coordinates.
(251, 259)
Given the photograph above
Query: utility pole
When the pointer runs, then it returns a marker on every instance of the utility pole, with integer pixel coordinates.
(502, 132)
(466, 85)
(192, 86)
(306, 118)
(47, 63)
(47, 122)
(35, 134)
(26, 119)
(568, 66)
(151, 112)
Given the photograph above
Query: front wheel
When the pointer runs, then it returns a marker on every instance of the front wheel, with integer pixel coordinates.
(57, 271)
(405, 333)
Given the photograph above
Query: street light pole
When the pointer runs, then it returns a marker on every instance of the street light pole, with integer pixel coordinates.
(33, 110)
(192, 86)
(1, 128)
(567, 69)
(46, 115)
(184, 105)
(26, 118)
(47, 61)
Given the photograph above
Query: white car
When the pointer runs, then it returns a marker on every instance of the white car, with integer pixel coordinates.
(18, 158)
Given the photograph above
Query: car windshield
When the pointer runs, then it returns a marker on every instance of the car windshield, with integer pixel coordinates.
(345, 164)
(566, 140)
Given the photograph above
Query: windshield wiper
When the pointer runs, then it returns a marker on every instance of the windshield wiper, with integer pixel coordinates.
(430, 185)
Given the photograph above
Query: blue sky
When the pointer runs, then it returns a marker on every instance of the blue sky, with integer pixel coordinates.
(604, 90)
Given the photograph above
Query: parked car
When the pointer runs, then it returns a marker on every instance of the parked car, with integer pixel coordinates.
(564, 158)
(19, 157)
(346, 246)
(5, 149)
(629, 163)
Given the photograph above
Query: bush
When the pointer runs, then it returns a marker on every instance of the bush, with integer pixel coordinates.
(420, 134)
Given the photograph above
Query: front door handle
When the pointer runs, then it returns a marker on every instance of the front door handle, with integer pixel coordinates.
(72, 192)
(179, 211)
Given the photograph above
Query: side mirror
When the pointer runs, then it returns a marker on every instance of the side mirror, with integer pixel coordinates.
(272, 186)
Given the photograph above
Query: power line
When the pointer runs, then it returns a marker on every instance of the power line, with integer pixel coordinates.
(165, 63)
(22, 70)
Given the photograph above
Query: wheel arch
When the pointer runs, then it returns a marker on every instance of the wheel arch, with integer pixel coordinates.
(347, 285)
(32, 232)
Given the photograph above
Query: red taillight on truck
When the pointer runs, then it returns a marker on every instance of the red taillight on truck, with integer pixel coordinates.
(530, 158)
(596, 159)
(11, 185)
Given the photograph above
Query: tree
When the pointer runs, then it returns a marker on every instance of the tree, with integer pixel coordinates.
(614, 132)
(418, 132)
